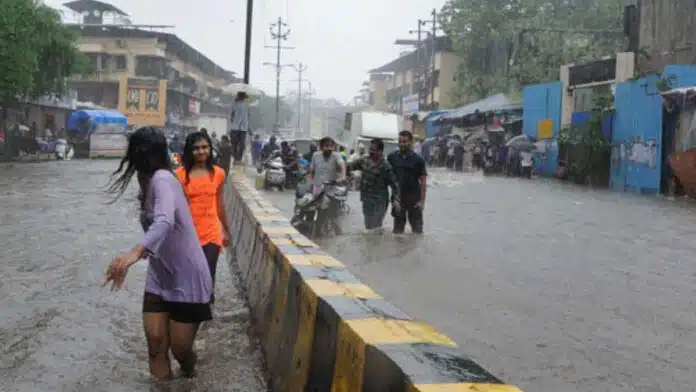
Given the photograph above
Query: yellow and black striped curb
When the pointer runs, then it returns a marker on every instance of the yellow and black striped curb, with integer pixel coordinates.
(320, 328)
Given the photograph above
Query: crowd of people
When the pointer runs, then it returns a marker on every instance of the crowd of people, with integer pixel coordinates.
(452, 152)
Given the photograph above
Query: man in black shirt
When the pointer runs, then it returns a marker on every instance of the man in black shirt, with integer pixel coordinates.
(411, 176)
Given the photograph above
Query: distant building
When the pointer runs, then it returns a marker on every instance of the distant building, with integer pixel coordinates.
(412, 79)
(193, 84)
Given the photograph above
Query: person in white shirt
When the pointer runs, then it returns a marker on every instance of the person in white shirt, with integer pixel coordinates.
(418, 147)
(526, 161)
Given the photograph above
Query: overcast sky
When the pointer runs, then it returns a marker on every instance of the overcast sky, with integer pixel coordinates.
(338, 40)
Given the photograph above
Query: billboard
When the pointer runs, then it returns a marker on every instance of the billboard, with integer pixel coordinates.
(410, 104)
(143, 101)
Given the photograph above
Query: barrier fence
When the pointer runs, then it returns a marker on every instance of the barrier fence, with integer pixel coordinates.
(323, 330)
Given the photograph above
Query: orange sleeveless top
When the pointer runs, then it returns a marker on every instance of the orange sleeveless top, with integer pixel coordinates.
(201, 193)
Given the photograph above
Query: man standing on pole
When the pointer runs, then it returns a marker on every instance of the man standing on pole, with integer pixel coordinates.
(239, 126)
(411, 175)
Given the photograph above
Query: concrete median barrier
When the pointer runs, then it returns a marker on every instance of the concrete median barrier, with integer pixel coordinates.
(323, 330)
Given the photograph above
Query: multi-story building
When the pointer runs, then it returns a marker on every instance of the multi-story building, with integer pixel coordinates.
(120, 54)
(375, 91)
(418, 80)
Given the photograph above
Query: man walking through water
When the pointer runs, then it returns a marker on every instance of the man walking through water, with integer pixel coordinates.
(375, 180)
(409, 170)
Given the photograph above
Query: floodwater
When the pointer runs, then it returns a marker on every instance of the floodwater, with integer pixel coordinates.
(59, 329)
(551, 287)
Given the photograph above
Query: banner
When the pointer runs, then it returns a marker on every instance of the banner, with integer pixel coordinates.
(143, 101)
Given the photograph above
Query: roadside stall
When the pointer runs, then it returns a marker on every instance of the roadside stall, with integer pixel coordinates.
(98, 133)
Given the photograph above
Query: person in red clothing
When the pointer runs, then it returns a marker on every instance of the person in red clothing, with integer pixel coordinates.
(203, 184)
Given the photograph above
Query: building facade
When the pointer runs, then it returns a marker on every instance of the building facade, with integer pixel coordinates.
(418, 80)
(194, 83)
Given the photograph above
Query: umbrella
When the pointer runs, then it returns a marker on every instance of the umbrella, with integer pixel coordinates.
(234, 88)
(520, 142)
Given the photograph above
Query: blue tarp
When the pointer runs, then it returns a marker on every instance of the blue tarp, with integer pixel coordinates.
(97, 116)
(493, 103)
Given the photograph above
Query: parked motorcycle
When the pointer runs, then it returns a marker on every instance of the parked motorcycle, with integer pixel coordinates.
(63, 151)
(319, 209)
(273, 172)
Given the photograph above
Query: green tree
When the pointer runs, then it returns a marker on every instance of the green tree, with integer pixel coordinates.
(506, 44)
(263, 113)
(37, 52)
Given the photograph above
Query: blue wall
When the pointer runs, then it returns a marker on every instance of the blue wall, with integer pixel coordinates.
(543, 101)
(636, 162)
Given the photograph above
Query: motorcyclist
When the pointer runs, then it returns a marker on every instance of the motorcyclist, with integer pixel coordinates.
(327, 165)
(291, 162)
(312, 149)
(269, 148)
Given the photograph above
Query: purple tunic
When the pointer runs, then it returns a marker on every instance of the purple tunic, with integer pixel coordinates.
(178, 270)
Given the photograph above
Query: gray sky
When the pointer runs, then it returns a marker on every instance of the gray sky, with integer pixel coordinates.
(338, 40)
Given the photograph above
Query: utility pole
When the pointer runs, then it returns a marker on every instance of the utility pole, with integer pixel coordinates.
(300, 69)
(280, 33)
(247, 42)
(433, 52)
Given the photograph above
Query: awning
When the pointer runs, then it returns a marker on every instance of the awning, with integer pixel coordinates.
(679, 91)
(494, 103)
(98, 116)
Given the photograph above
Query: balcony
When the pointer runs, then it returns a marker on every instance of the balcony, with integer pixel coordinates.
(99, 77)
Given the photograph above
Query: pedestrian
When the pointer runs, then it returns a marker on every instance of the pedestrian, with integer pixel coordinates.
(376, 179)
(526, 163)
(203, 184)
(225, 148)
(239, 126)
(178, 284)
(256, 147)
(411, 176)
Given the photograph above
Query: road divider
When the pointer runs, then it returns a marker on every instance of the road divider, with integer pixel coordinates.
(320, 328)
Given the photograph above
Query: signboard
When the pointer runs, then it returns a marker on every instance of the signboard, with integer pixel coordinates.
(544, 129)
(143, 101)
(595, 71)
(410, 104)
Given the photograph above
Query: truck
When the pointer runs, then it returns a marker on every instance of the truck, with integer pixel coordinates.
(363, 126)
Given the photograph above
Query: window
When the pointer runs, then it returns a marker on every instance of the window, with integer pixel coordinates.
(150, 67)
(120, 62)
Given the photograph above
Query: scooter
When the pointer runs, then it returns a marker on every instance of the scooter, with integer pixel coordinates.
(273, 172)
(319, 208)
(63, 151)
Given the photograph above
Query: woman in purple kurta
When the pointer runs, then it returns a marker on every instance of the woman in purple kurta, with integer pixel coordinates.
(179, 285)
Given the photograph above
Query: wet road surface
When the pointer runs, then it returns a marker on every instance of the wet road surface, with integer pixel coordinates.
(549, 286)
(59, 330)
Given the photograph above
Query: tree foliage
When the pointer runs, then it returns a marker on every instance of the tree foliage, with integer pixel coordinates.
(263, 113)
(506, 44)
(37, 53)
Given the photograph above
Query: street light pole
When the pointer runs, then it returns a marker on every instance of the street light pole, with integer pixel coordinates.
(300, 69)
(247, 42)
(279, 32)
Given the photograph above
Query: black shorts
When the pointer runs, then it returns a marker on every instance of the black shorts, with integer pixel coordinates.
(181, 312)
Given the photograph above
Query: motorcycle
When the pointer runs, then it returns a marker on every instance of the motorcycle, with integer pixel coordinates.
(319, 208)
(273, 172)
(62, 150)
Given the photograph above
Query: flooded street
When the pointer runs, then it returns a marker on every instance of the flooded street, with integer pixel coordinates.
(60, 330)
(552, 287)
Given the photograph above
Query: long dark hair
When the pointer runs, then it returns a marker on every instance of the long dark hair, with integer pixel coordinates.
(147, 152)
(187, 160)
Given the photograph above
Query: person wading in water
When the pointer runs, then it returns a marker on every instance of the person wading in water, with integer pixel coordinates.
(203, 184)
(411, 175)
(178, 285)
(376, 178)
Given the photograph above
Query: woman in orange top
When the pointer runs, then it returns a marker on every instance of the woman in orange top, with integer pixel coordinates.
(203, 184)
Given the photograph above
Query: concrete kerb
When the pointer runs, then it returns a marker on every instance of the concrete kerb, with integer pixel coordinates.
(320, 328)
